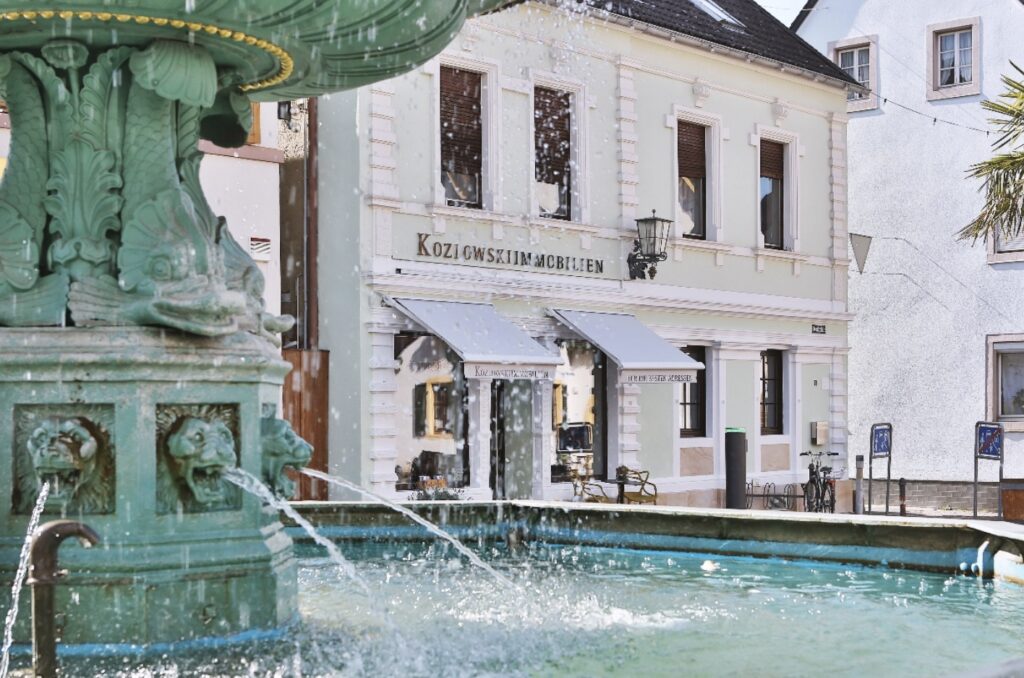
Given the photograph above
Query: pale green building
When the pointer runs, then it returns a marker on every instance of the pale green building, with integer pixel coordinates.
(475, 220)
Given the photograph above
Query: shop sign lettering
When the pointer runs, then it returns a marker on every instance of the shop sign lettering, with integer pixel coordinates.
(670, 378)
(509, 372)
(431, 247)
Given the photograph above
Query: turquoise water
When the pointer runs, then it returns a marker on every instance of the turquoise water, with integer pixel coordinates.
(591, 612)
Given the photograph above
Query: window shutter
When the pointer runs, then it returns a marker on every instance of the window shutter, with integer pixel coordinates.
(552, 111)
(772, 164)
(419, 411)
(691, 150)
(461, 128)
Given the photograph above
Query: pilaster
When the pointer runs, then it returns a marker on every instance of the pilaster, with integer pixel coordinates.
(479, 434)
(382, 409)
(542, 439)
(626, 117)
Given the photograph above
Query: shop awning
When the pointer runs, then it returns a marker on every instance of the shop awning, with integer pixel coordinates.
(642, 356)
(490, 345)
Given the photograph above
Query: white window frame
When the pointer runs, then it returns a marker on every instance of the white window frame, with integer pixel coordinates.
(712, 370)
(790, 186)
(578, 151)
(490, 117)
(934, 91)
(870, 42)
(997, 344)
(714, 230)
(999, 256)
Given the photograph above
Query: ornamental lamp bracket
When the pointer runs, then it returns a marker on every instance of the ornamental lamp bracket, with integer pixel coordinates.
(649, 247)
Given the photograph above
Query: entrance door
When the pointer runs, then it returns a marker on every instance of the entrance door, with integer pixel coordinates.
(498, 438)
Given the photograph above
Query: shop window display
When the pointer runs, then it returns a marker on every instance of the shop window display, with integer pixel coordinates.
(433, 452)
(579, 412)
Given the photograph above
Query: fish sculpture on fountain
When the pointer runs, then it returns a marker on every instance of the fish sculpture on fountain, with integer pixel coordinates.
(137, 358)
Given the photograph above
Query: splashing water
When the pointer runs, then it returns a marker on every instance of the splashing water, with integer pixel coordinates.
(416, 518)
(253, 486)
(19, 580)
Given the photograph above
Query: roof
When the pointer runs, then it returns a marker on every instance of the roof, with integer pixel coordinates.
(805, 12)
(762, 34)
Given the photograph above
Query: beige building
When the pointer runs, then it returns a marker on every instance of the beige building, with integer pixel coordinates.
(477, 217)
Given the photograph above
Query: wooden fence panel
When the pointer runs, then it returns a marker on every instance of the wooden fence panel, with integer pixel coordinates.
(306, 406)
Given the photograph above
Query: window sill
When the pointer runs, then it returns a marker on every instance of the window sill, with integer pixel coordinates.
(705, 245)
(870, 103)
(704, 441)
(795, 258)
(1012, 425)
(1005, 257)
(967, 90)
(443, 210)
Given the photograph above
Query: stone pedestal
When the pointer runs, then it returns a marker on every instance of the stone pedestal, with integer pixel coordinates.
(132, 426)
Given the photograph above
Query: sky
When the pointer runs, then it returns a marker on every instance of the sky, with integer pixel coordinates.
(784, 10)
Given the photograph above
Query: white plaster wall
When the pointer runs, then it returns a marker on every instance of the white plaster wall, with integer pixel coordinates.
(925, 301)
(245, 192)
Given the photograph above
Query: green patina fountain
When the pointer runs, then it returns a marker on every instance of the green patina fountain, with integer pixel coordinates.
(137, 361)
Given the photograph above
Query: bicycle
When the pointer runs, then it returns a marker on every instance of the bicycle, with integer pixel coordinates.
(820, 488)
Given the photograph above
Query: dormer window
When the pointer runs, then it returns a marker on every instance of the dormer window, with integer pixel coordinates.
(718, 14)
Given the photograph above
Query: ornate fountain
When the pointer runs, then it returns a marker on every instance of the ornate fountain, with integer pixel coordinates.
(137, 360)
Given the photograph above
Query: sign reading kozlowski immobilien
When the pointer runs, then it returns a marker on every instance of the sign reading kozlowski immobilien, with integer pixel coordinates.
(432, 247)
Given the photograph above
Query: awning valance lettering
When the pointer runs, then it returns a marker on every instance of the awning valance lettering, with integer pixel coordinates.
(642, 356)
(490, 345)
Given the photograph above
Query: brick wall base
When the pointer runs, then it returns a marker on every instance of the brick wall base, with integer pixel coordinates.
(936, 494)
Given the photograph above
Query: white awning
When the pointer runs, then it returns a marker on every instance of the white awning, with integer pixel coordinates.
(490, 345)
(642, 356)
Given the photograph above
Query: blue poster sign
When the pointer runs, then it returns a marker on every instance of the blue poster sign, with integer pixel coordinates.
(988, 440)
(881, 440)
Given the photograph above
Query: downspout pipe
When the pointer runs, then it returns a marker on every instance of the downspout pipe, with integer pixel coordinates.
(45, 575)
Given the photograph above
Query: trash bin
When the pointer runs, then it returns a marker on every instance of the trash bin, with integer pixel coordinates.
(735, 468)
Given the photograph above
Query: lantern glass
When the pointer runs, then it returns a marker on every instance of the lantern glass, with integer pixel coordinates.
(653, 233)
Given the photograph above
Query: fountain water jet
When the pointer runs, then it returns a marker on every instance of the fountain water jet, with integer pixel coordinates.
(416, 518)
(19, 580)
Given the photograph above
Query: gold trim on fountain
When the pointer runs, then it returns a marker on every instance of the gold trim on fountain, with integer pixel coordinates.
(286, 64)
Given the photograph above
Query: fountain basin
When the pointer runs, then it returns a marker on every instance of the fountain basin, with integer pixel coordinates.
(593, 610)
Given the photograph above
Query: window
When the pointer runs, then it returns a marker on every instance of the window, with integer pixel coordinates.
(694, 399)
(856, 63)
(954, 50)
(442, 409)
(858, 57)
(1009, 365)
(718, 14)
(552, 125)
(692, 156)
(580, 404)
(954, 57)
(461, 137)
(771, 393)
(771, 194)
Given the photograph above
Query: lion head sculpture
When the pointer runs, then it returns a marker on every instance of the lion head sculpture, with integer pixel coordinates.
(196, 453)
(282, 448)
(72, 456)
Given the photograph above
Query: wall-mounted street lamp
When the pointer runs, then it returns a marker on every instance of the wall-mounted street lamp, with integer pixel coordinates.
(650, 246)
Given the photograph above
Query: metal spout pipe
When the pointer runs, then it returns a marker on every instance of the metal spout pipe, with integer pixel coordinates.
(44, 576)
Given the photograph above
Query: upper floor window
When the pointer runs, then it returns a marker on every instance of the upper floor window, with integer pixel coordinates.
(858, 58)
(692, 180)
(771, 393)
(856, 63)
(461, 137)
(772, 196)
(694, 399)
(954, 58)
(954, 53)
(552, 136)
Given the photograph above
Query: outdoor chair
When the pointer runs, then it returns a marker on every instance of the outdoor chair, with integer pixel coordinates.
(643, 492)
(585, 490)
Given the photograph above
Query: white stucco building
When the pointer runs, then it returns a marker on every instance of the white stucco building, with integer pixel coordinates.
(475, 218)
(936, 344)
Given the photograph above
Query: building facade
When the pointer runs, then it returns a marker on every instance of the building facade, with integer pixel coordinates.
(476, 218)
(936, 345)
